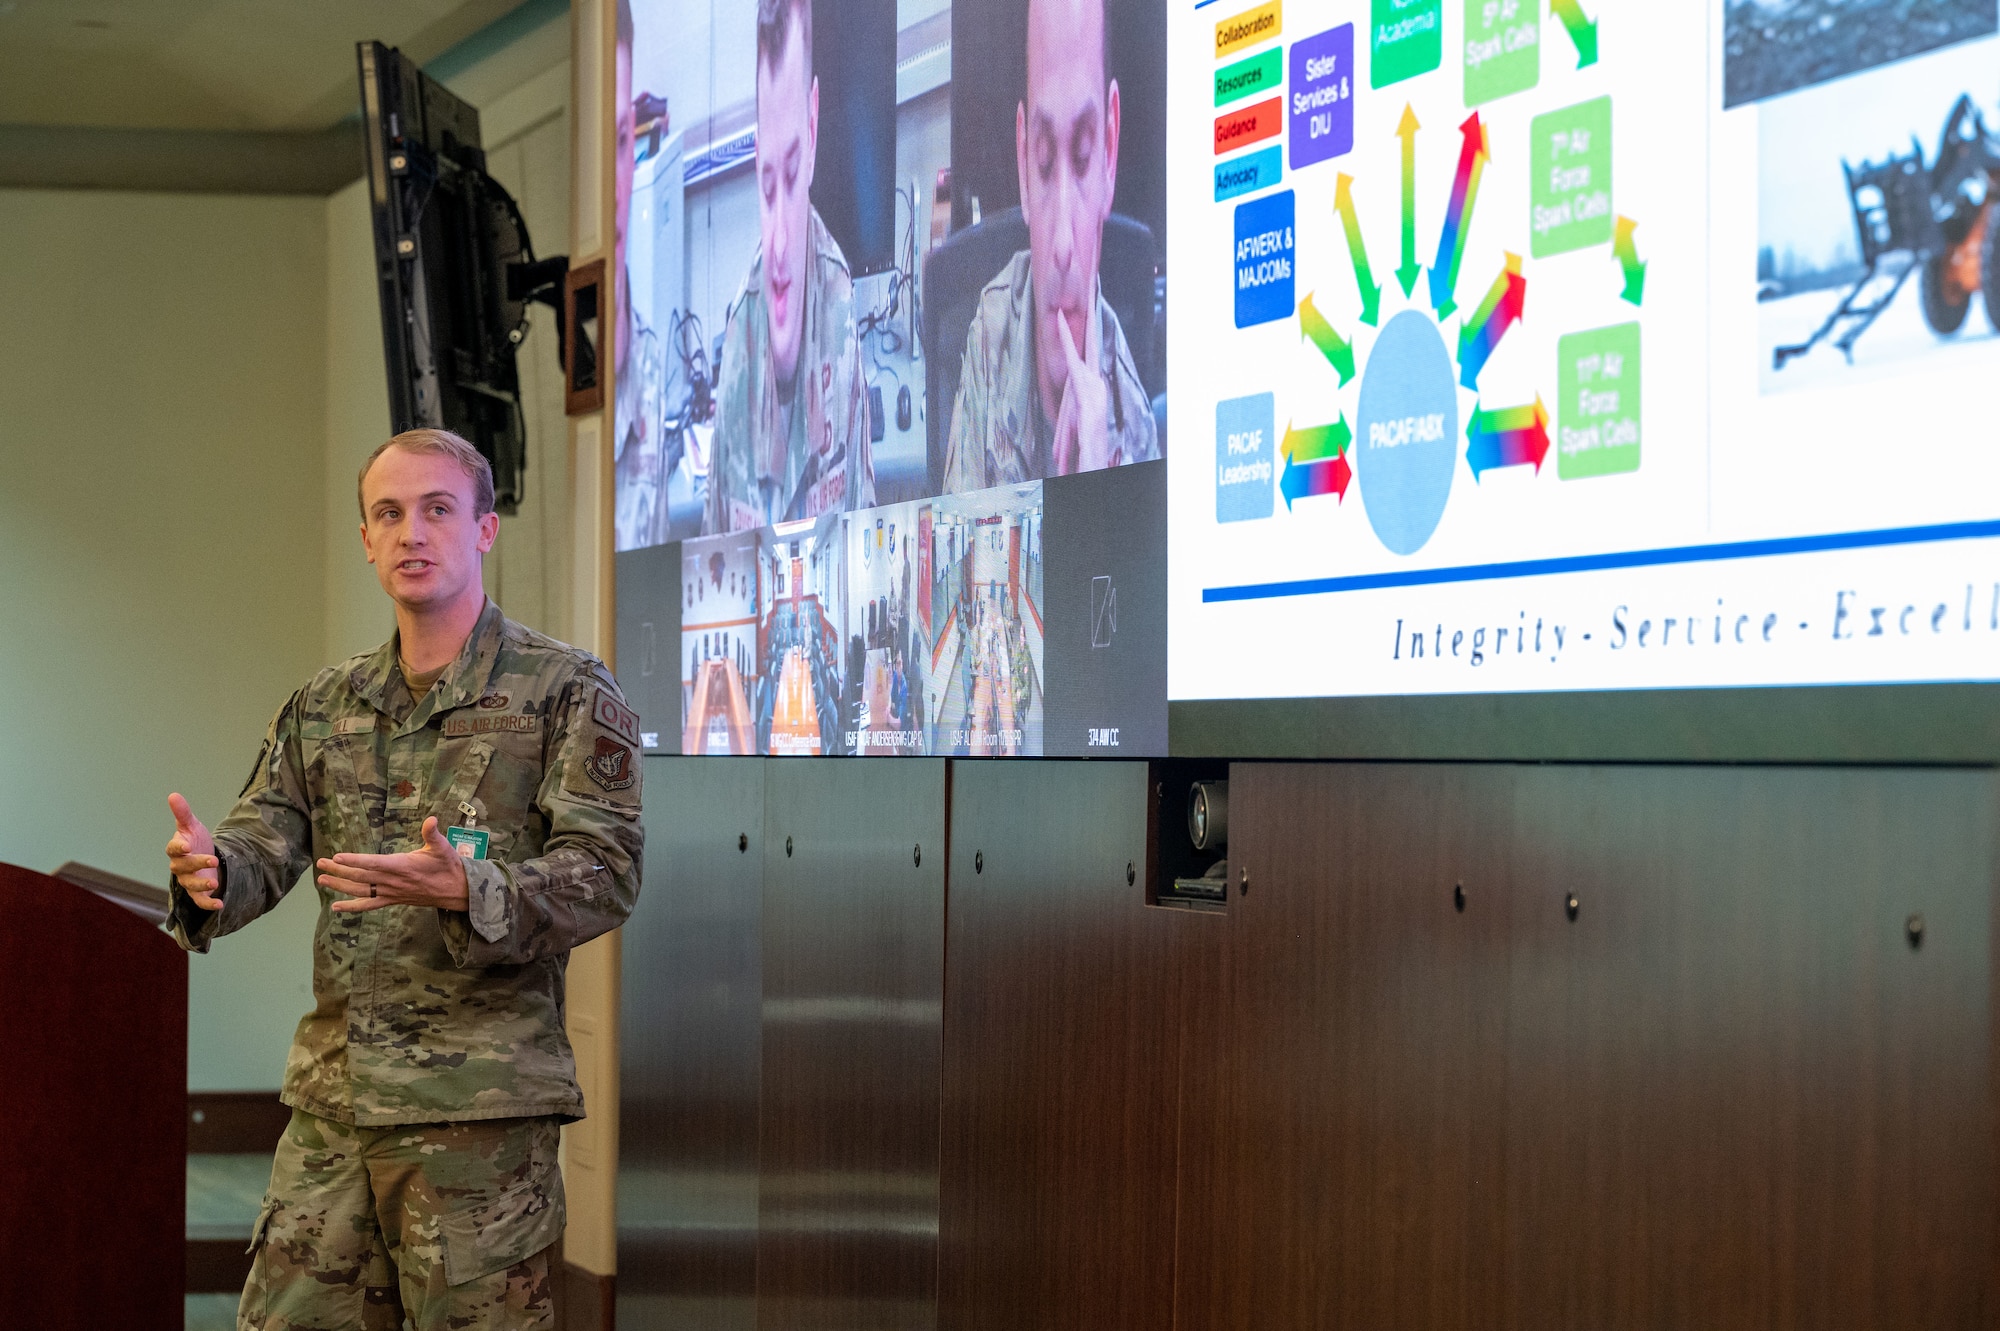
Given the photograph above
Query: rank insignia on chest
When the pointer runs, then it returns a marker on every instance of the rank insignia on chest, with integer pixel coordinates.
(610, 766)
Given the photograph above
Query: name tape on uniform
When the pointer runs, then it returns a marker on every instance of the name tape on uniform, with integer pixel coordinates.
(463, 723)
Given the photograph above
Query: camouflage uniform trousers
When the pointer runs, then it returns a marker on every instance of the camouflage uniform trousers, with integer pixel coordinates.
(427, 1226)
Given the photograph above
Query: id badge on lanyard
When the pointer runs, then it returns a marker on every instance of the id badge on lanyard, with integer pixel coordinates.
(471, 840)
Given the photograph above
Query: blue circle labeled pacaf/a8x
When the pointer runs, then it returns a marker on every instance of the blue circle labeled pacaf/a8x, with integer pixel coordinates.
(1406, 432)
(1265, 258)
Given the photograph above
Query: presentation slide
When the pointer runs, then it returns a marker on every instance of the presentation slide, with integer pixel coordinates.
(890, 374)
(1581, 344)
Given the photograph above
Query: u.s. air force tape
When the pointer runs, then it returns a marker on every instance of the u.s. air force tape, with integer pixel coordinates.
(469, 723)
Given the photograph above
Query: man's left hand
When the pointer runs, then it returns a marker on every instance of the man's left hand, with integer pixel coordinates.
(433, 876)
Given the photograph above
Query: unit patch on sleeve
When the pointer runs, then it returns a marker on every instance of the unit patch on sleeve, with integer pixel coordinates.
(615, 717)
(611, 765)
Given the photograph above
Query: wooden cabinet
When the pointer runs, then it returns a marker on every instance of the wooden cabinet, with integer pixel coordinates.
(1723, 1090)
(1063, 1004)
(1737, 1095)
(1342, 1084)
(1398, 1082)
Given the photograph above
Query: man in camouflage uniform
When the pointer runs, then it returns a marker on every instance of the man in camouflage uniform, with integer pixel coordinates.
(1047, 385)
(638, 443)
(418, 1178)
(791, 411)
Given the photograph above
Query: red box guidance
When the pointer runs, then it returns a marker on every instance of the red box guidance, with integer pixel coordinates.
(1251, 125)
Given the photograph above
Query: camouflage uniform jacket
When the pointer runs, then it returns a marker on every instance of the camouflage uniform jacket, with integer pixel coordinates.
(423, 1015)
(639, 447)
(999, 433)
(761, 472)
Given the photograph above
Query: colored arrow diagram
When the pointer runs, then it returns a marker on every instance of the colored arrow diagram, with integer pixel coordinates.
(1501, 310)
(1339, 352)
(1473, 154)
(1582, 31)
(1509, 437)
(1357, 248)
(1406, 130)
(1316, 462)
(1628, 258)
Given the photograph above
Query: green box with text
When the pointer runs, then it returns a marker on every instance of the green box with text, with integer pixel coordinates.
(1502, 48)
(1569, 179)
(1406, 39)
(1259, 76)
(1598, 412)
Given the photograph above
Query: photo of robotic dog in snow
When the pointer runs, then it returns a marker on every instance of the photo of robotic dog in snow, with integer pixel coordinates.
(1930, 219)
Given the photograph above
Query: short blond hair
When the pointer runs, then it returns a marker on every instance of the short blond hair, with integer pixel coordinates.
(477, 469)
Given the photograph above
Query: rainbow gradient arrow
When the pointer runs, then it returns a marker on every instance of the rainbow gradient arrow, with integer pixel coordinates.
(1339, 352)
(1505, 302)
(1357, 249)
(1582, 30)
(1473, 154)
(1628, 258)
(1406, 130)
(1509, 437)
(1316, 461)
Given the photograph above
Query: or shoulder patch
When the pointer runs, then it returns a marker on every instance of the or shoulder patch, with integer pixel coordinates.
(614, 716)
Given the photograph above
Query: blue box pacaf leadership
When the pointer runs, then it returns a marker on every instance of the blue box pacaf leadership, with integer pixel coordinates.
(1265, 252)
(1245, 457)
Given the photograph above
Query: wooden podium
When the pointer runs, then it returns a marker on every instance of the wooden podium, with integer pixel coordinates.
(94, 1062)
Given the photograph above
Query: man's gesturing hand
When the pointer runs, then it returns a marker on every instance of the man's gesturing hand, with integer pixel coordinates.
(1082, 427)
(191, 856)
(433, 876)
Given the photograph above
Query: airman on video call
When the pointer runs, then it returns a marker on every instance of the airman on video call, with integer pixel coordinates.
(1047, 385)
(792, 424)
(639, 445)
(468, 797)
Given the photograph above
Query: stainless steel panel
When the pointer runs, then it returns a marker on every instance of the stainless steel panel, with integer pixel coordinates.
(853, 974)
(690, 1052)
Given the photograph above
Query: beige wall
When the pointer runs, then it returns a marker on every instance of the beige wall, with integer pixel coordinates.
(527, 138)
(188, 385)
(160, 544)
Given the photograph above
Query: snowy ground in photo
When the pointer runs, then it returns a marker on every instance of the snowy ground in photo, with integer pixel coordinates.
(1895, 343)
